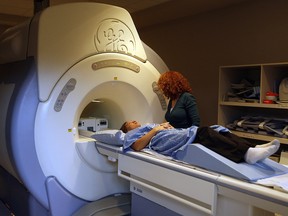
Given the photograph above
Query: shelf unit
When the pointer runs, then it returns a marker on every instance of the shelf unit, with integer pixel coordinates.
(268, 77)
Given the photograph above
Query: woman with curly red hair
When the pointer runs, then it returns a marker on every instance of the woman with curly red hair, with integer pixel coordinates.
(182, 111)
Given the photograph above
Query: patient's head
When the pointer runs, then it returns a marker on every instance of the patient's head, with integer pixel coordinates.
(129, 125)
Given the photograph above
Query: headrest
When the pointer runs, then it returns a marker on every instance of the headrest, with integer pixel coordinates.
(112, 137)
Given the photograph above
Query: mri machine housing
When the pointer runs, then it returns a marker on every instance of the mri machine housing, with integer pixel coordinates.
(52, 67)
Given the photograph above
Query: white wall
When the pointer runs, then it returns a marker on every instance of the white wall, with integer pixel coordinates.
(250, 32)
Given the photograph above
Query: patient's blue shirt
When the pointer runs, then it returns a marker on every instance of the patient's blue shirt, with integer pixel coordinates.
(166, 142)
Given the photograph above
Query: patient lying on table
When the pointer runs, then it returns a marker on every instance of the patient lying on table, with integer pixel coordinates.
(166, 140)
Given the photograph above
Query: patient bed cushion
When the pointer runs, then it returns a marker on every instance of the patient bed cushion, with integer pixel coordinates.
(198, 155)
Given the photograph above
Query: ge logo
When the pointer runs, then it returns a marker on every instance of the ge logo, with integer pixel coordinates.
(114, 36)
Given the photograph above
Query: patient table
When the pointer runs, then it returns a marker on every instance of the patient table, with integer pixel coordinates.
(163, 186)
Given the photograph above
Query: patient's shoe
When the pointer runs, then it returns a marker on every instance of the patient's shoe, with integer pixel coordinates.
(253, 155)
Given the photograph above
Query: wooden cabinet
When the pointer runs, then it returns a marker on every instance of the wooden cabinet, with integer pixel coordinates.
(261, 78)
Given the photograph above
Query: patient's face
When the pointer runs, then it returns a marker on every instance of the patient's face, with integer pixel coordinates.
(130, 125)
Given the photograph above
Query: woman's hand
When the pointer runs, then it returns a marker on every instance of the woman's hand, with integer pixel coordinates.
(166, 125)
(158, 128)
(144, 140)
(163, 126)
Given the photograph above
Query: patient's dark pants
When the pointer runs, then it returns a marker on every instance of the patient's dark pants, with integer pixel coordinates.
(226, 144)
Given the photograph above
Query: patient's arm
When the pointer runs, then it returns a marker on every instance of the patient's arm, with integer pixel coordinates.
(144, 140)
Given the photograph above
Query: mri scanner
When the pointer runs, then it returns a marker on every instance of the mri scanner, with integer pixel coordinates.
(86, 60)
(52, 68)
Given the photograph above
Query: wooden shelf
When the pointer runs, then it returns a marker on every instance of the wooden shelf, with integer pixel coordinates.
(260, 105)
(259, 136)
(265, 77)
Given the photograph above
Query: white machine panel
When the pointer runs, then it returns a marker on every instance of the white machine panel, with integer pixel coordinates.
(93, 124)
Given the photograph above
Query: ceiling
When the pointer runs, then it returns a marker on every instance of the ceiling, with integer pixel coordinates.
(144, 12)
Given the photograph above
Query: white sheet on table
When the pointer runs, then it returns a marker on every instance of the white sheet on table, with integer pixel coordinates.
(280, 181)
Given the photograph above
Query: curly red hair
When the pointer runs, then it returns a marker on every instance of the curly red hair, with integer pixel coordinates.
(173, 84)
